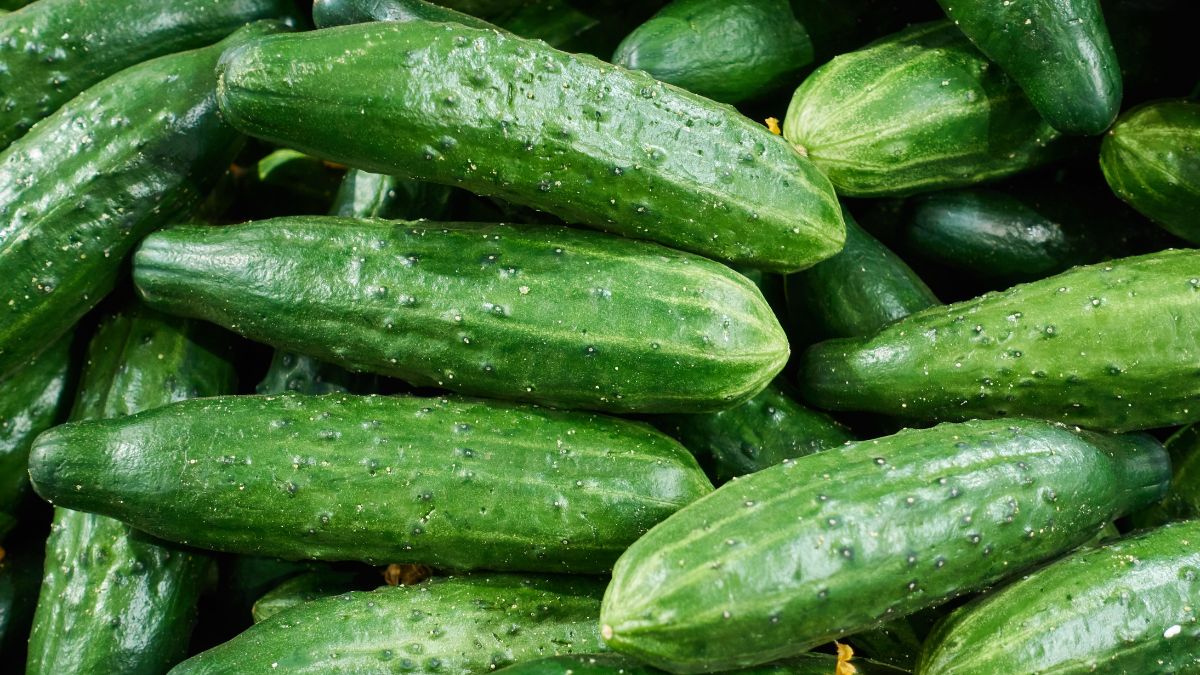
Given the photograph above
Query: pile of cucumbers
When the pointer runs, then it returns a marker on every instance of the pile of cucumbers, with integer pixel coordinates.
(393, 336)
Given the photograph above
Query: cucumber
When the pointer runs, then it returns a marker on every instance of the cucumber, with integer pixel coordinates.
(132, 153)
(308, 587)
(55, 49)
(20, 575)
(244, 580)
(1126, 607)
(1151, 160)
(618, 324)
(453, 483)
(1183, 498)
(328, 13)
(827, 545)
(113, 600)
(615, 664)
(373, 195)
(469, 624)
(917, 111)
(1060, 348)
(726, 51)
(583, 140)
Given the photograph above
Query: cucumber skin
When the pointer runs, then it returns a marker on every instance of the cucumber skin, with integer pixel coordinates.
(77, 193)
(329, 13)
(619, 325)
(757, 571)
(1105, 609)
(112, 599)
(1143, 162)
(870, 124)
(1065, 355)
(57, 48)
(431, 483)
(1058, 51)
(518, 119)
(615, 664)
(468, 624)
(726, 51)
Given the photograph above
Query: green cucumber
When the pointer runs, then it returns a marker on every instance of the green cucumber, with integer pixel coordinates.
(1058, 51)
(310, 586)
(77, 193)
(503, 116)
(20, 576)
(920, 110)
(292, 372)
(374, 195)
(244, 579)
(112, 599)
(615, 664)
(449, 482)
(329, 13)
(1183, 498)
(727, 51)
(827, 545)
(1125, 607)
(1060, 348)
(468, 624)
(1151, 160)
(55, 49)
(619, 324)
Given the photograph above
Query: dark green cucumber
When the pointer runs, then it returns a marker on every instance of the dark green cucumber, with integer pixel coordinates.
(788, 558)
(1151, 160)
(20, 577)
(856, 292)
(329, 13)
(503, 116)
(759, 433)
(1125, 607)
(55, 49)
(917, 111)
(374, 195)
(468, 624)
(617, 324)
(305, 183)
(726, 50)
(244, 579)
(132, 153)
(1183, 498)
(615, 664)
(310, 586)
(1061, 348)
(448, 482)
(292, 372)
(112, 599)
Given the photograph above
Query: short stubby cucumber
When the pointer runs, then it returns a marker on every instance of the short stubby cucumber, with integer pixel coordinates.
(466, 624)
(1114, 346)
(1125, 607)
(777, 562)
(614, 664)
(448, 482)
(552, 315)
(920, 110)
(504, 116)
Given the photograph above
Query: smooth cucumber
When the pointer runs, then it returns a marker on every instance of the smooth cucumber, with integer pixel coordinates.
(777, 562)
(502, 116)
(1125, 607)
(615, 664)
(917, 111)
(310, 586)
(617, 324)
(1061, 348)
(329, 13)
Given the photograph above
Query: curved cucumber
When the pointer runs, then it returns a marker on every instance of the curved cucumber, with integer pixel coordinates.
(615, 664)
(310, 586)
(503, 116)
(917, 111)
(785, 559)
(618, 324)
(329, 13)
(1125, 607)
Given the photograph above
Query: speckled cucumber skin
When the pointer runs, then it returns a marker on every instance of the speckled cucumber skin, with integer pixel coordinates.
(55, 49)
(329, 13)
(307, 587)
(112, 599)
(775, 563)
(498, 115)
(1151, 159)
(1110, 346)
(459, 625)
(552, 315)
(1058, 51)
(615, 664)
(1125, 607)
(453, 483)
(920, 110)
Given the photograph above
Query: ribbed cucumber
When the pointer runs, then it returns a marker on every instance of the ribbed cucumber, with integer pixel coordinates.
(468, 624)
(499, 115)
(311, 586)
(617, 324)
(615, 664)
(1125, 607)
(1151, 159)
(917, 111)
(328, 13)
(790, 557)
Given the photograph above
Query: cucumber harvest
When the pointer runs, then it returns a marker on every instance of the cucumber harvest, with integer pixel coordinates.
(1110, 346)
(547, 314)
(449, 482)
(503, 116)
(785, 559)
